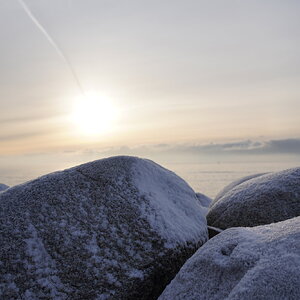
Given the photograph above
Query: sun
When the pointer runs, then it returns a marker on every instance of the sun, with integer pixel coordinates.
(94, 114)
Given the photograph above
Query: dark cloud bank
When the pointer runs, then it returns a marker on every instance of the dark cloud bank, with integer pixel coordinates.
(247, 147)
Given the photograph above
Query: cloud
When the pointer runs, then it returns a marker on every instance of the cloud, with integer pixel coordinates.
(245, 147)
(240, 146)
(20, 119)
(12, 137)
(31, 118)
(285, 146)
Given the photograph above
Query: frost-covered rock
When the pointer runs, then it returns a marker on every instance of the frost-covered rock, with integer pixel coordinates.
(3, 187)
(230, 186)
(262, 200)
(261, 262)
(204, 200)
(117, 228)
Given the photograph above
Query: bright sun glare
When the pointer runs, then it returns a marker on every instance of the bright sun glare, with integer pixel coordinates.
(94, 114)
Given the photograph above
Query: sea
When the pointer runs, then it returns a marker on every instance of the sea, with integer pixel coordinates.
(208, 178)
(211, 178)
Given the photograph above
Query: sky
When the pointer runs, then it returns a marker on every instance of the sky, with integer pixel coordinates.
(175, 77)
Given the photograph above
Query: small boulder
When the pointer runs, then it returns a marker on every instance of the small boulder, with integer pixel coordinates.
(261, 262)
(261, 200)
(3, 187)
(116, 228)
(213, 231)
(204, 200)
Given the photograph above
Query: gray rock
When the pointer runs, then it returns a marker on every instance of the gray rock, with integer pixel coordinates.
(3, 187)
(117, 228)
(204, 200)
(213, 231)
(262, 200)
(243, 263)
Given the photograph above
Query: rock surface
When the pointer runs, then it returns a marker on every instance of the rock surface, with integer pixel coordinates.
(203, 199)
(230, 186)
(3, 187)
(213, 231)
(117, 228)
(243, 263)
(262, 200)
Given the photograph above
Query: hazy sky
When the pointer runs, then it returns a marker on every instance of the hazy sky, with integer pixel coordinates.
(176, 71)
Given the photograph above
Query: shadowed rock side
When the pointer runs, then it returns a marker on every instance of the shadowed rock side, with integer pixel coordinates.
(243, 263)
(213, 231)
(262, 200)
(230, 186)
(117, 228)
(3, 187)
(204, 200)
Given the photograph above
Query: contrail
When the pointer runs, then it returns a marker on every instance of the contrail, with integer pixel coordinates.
(52, 42)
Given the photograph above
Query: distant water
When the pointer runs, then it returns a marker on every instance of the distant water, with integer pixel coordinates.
(207, 178)
(210, 178)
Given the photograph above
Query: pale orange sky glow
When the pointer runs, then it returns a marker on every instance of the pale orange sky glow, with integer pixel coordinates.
(170, 72)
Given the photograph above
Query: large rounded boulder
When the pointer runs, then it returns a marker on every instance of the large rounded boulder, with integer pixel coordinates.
(117, 228)
(261, 262)
(261, 200)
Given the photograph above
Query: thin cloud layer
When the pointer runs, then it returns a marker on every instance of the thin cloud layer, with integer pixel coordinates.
(250, 147)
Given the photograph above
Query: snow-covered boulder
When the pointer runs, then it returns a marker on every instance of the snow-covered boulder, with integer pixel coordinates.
(3, 187)
(261, 262)
(262, 200)
(230, 186)
(117, 228)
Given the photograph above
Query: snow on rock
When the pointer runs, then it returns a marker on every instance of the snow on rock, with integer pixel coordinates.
(3, 187)
(262, 200)
(261, 262)
(117, 228)
(230, 186)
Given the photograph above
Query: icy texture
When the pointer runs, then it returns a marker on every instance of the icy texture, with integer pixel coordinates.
(230, 186)
(3, 187)
(174, 219)
(262, 200)
(243, 263)
(101, 230)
